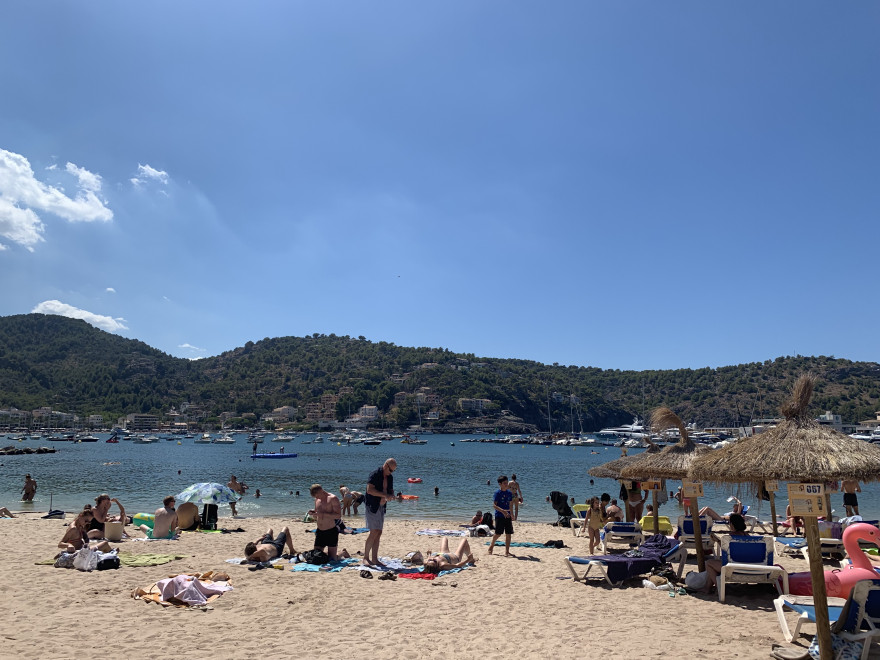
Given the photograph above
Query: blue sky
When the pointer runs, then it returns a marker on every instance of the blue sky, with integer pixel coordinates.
(632, 185)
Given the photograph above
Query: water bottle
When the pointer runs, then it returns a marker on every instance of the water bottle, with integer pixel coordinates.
(731, 499)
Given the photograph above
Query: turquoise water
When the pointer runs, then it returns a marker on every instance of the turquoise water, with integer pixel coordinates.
(146, 473)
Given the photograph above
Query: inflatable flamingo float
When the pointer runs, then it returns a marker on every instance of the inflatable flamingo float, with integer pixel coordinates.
(840, 581)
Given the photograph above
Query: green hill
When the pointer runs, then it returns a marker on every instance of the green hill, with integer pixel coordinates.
(73, 367)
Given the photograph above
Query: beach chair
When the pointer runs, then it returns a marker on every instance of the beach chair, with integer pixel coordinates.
(614, 569)
(749, 559)
(686, 532)
(209, 516)
(663, 523)
(854, 619)
(579, 519)
(621, 532)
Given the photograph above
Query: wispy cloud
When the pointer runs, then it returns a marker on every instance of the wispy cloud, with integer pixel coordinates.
(190, 347)
(110, 289)
(146, 173)
(59, 308)
(22, 196)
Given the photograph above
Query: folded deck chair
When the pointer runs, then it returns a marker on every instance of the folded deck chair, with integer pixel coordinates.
(559, 502)
(623, 532)
(655, 551)
(579, 518)
(749, 559)
(854, 619)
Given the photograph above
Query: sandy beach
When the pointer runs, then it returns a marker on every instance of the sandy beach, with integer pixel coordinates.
(503, 607)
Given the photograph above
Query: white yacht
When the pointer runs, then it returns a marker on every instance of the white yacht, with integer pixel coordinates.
(634, 430)
(204, 439)
(224, 439)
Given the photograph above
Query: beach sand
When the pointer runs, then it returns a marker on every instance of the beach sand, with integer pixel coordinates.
(504, 607)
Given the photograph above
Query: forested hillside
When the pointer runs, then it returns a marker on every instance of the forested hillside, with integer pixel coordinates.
(74, 367)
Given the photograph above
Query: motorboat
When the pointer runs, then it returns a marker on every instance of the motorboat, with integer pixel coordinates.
(203, 439)
(634, 430)
(224, 439)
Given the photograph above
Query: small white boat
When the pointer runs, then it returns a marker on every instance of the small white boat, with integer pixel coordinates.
(204, 439)
(224, 439)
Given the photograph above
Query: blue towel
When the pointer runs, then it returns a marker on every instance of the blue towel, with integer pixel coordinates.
(331, 567)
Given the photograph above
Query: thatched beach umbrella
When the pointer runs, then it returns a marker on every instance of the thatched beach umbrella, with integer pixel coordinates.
(612, 469)
(674, 462)
(798, 449)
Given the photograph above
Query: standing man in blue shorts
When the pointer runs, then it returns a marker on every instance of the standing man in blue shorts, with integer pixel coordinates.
(503, 516)
(380, 489)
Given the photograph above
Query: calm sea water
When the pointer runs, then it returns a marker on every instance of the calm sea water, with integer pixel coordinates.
(78, 472)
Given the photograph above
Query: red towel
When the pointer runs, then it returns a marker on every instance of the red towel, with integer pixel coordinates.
(417, 576)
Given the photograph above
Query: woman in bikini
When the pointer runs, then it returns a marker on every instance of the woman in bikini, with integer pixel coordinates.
(513, 487)
(77, 534)
(445, 560)
(595, 522)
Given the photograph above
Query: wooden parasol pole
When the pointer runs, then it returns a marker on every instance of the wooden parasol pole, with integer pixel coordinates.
(820, 598)
(656, 513)
(772, 507)
(698, 536)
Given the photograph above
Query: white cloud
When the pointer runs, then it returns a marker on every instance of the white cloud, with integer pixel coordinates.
(146, 173)
(190, 347)
(110, 289)
(22, 196)
(59, 308)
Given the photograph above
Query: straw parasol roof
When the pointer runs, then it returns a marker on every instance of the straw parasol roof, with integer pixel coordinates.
(799, 448)
(611, 469)
(673, 462)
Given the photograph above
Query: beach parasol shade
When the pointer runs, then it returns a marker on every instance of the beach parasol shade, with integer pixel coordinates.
(207, 493)
(673, 462)
(798, 449)
(611, 469)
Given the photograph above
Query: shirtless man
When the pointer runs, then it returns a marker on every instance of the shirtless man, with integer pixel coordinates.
(267, 548)
(347, 500)
(326, 512)
(29, 489)
(614, 512)
(164, 521)
(99, 517)
(850, 500)
(514, 488)
(239, 487)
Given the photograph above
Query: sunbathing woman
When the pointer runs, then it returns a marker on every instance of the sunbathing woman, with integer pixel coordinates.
(709, 511)
(596, 520)
(77, 533)
(445, 560)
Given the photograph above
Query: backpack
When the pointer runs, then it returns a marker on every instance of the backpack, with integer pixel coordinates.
(315, 557)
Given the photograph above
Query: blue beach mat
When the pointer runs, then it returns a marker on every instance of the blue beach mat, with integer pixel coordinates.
(521, 544)
(331, 567)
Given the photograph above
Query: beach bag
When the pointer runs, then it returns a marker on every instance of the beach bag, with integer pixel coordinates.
(696, 581)
(340, 526)
(65, 560)
(315, 557)
(841, 648)
(86, 559)
(108, 563)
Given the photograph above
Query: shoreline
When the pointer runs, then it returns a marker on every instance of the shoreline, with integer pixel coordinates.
(527, 604)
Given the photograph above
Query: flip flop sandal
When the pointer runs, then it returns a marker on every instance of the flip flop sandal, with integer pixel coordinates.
(681, 591)
(367, 574)
(258, 567)
(388, 575)
(672, 594)
(789, 653)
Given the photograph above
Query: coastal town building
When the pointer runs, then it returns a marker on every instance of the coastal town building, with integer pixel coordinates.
(477, 405)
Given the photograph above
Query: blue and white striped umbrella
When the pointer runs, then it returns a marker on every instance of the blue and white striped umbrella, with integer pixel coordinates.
(207, 493)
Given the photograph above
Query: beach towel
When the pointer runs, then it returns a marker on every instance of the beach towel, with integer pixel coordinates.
(442, 532)
(520, 544)
(185, 590)
(621, 567)
(164, 538)
(147, 559)
(331, 567)
(418, 574)
(244, 561)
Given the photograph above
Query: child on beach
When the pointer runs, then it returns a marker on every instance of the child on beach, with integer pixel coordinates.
(595, 522)
(503, 515)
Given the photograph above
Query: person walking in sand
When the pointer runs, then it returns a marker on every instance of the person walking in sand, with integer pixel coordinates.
(503, 515)
(29, 489)
(850, 500)
(380, 489)
(517, 493)
(326, 512)
(596, 520)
